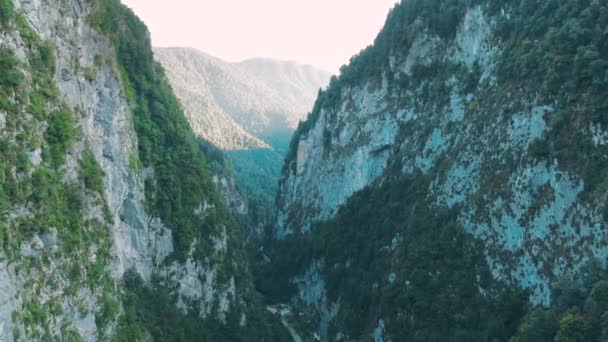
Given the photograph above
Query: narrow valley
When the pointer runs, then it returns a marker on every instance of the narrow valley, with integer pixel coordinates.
(450, 183)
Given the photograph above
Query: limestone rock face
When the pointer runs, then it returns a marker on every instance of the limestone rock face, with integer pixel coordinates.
(88, 84)
(105, 121)
(478, 143)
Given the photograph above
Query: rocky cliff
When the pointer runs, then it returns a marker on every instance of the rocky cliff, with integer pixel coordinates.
(101, 177)
(495, 121)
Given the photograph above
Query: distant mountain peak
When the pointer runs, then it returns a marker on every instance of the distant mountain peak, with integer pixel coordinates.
(237, 106)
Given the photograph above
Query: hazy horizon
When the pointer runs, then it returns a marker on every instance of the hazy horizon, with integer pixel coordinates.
(240, 60)
(324, 34)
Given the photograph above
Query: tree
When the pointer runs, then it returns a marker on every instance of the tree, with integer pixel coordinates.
(6, 11)
(573, 328)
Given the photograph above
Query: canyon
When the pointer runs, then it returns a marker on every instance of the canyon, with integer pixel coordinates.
(449, 184)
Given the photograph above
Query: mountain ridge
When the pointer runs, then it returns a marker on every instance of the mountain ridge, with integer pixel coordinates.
(250, 99)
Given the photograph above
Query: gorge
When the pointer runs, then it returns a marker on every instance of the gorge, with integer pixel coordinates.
(450, 184)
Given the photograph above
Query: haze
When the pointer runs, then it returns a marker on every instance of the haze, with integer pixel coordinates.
(323, 33)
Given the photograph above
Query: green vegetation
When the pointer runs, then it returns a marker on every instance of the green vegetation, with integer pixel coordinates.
(166, 143)
(97, 60)
(90, 74)
(37, 184)
(326, 139)
(37, 106)
(180, 185)
(34, 312)
(4, 207)
(579, 312)
(91, 172)
(437, 269)
(562, 51)
(43, 57)
(110, 307)
(554, 51)
(442, 289)
(70, 335)
(134, 163)
(257, 171)
(6, 11)
(56, 204)
(60, 135)
(561, 55)
(150, 314)
(439, 16)
(151, 310)
(10, 78)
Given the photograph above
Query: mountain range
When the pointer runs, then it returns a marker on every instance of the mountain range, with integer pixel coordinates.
(241, 106)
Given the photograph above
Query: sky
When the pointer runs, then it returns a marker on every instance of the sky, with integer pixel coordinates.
(323, 33)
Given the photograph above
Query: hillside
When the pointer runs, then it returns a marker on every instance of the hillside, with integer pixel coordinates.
(112, 224)
(249, 110)
(450, 184)
(240, 106)
(297, 85)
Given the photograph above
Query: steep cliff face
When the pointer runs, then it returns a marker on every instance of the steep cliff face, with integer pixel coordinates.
(86, 80)
(83, 197)
(66, 119)
(500, 118)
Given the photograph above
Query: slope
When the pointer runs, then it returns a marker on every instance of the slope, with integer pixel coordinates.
(105, 194)
(493, 114)
(225, 101)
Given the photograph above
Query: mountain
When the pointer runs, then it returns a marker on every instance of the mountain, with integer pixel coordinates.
(240, 106)
(113, 225)
(249, 110)
(297, 85)
(450, 184)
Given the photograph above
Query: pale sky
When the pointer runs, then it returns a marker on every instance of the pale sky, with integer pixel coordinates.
(324, 33)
